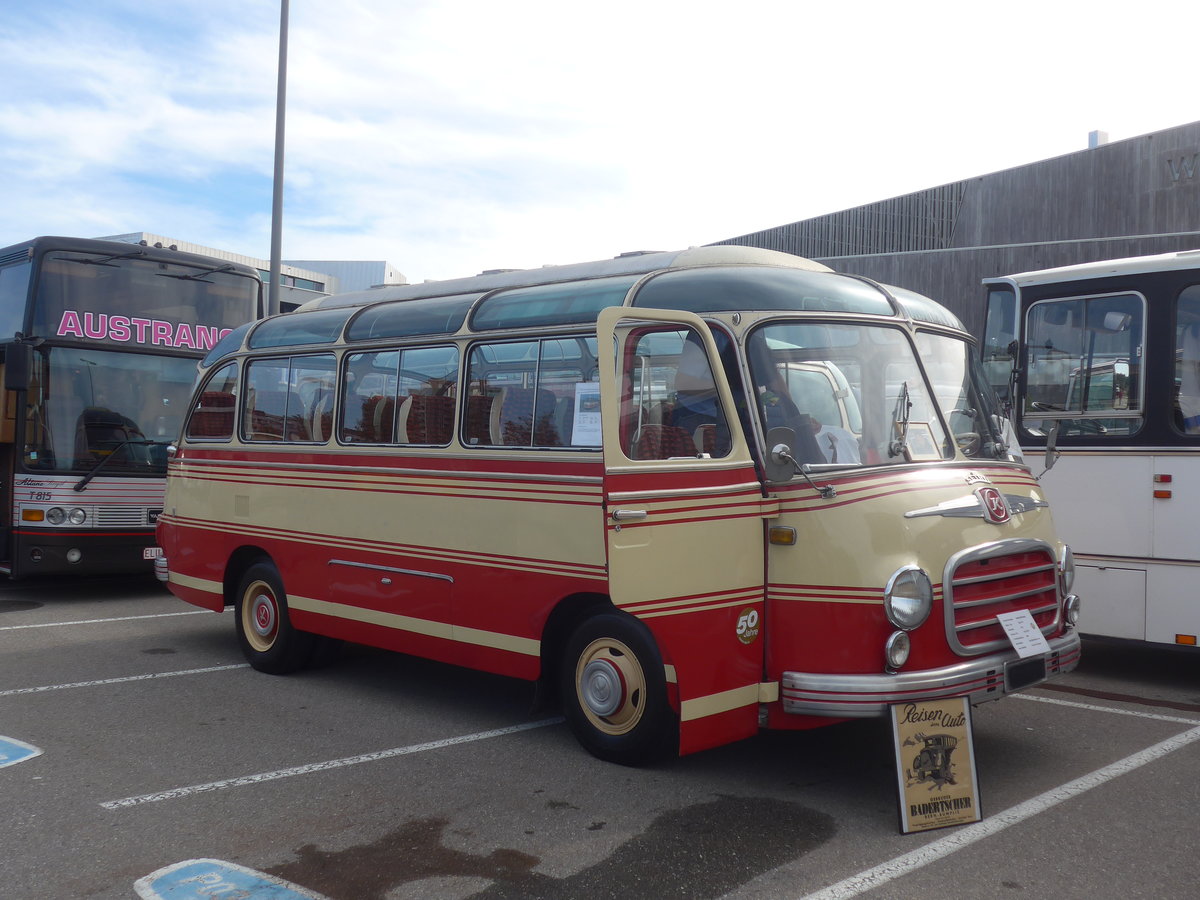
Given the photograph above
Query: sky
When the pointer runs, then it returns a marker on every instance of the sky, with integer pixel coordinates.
(453, 136)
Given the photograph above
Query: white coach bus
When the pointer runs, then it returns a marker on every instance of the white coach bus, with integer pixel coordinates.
(1102, 362)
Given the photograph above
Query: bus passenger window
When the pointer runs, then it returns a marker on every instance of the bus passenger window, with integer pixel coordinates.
(212, 416)
(289, 399)
(1187, 356)
(399, 396)
(525, 394)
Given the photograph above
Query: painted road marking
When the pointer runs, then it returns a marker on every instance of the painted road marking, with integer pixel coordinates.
(191, 612)
(311, 768)
(194, 879)
(13, 751)
(12, 692)
(965, 837)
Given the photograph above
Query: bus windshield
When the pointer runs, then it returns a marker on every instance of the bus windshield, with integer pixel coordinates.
(142, 303)
(96, 406)
(860, 394)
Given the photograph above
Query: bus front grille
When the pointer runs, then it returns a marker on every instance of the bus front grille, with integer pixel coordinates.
(999, 578)
(120, 516)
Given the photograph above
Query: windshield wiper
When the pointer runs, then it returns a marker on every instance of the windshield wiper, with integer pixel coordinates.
(900, 421)
(216, 270)
(86, 479)
(105, 260)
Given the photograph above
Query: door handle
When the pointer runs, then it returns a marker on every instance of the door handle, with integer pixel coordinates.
(628, 515)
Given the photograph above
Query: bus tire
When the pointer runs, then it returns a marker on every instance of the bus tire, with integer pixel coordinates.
(265, 633)
(614, 692)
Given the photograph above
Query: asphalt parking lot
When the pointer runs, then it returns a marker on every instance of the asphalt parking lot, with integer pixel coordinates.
(149, 744)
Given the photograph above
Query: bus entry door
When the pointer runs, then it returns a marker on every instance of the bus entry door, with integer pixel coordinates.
(684, 516)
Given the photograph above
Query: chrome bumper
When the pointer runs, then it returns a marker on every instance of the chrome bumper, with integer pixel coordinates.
(161, 571)
(980, 679)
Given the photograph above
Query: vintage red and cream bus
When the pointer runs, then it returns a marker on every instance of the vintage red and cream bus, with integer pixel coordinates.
(698, 493)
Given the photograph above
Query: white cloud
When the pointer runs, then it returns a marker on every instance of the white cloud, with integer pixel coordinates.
(458, 135)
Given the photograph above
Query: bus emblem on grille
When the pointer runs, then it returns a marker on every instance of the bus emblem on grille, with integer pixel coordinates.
(995, 510)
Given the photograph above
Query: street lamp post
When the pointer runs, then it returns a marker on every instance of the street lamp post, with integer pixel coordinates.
(277, 196)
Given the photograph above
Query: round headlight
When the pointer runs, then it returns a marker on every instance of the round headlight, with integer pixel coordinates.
(56, 515)
(896, 649)
(1066, 570)
(77, 516)
(908, 598)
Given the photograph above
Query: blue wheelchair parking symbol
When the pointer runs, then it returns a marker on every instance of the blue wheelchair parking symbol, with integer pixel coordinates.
(14, 751)
(213, 879)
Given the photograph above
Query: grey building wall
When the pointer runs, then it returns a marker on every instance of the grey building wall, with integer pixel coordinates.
(1126, 198)
(354, 275)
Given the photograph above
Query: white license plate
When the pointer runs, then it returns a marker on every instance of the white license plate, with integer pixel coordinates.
(151, 552)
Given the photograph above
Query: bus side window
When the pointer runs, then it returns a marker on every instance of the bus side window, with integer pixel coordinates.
(369, 397)
(521, 394)
(1187, 355)
(212, 416)
(289, 399)
(425, 399)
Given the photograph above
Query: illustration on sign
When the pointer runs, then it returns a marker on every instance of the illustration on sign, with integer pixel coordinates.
(13, 751)
(935, 764)
(194, 879)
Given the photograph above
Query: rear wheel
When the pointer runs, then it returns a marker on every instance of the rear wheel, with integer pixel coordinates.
(265, 632)
(614, 691)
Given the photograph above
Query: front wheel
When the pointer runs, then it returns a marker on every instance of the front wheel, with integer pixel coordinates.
(614, 692)
(265, 633)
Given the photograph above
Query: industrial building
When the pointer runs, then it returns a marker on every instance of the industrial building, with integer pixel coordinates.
(1124, 198)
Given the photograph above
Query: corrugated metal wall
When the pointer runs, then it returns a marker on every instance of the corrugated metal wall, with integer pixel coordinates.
(1127, 198)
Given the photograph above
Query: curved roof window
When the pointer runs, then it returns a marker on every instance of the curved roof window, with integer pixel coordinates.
(724, 288)
(568, 303)
(405, 318)
(322, 326)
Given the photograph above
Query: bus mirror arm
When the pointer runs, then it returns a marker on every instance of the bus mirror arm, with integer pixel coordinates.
(781, 465)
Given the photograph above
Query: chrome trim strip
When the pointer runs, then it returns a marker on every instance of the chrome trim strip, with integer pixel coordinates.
(1028, 570)
(374, 568)
(867, 696)
(970, 507)
(645, 496)
(1117, 562)
(1036, 611)
(1001, 598)
(383, 470)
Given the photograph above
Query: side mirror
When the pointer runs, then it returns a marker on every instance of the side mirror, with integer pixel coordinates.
(1051, 449)
(1117, 321)
(779, 465)
(18, 364)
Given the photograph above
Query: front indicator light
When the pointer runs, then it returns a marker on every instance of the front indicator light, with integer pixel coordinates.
(908, 598)
(1066, 570)
(1071, 609)
(32, 515)
(896, 650)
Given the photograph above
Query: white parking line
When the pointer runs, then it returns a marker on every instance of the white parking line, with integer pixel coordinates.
(242, 781)
(12, 692)
(190, 612)
(939, 849)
